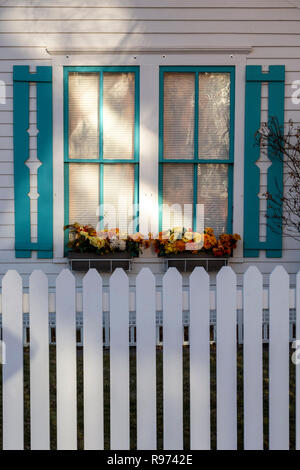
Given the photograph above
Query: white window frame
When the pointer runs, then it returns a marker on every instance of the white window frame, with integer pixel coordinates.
(149, 62)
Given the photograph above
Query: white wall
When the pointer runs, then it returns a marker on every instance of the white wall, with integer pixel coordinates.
(29, 27)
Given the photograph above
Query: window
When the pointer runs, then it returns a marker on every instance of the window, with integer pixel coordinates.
(196, 146)
(101, 148)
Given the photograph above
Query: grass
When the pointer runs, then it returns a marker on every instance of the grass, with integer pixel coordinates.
(186, 409)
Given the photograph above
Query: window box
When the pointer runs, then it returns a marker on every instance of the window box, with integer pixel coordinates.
(186, 262)
(103, 263)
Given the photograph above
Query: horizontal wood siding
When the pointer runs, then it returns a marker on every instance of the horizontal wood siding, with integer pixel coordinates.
(29, 27)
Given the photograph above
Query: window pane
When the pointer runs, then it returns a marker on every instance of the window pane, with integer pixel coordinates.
(83, 115)
(119, 194)
(83, 193)
(213, 193)
(118, 115)
(179, 115)
(214, 115)
(177, 189)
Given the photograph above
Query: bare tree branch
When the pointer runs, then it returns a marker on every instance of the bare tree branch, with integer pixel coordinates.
(283, 209)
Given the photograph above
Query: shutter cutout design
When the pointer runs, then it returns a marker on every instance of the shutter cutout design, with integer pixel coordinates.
(254, 78)
(27, 164)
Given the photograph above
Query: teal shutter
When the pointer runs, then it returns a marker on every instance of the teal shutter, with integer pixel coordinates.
(275, 79)
(43, 79)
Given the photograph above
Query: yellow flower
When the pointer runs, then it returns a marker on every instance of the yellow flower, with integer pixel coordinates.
(198, 237)
(188, 236)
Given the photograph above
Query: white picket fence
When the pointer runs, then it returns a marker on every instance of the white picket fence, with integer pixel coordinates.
(280, 299)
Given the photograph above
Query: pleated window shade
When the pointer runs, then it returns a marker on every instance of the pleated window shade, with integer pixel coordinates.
(214, 115)
(83, 193)
(178, 190)
(179, 115)
(118, 115)
(83, 115)
(118, 192)
(212, 191)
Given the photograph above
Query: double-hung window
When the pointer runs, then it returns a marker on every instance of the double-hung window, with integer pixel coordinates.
(196, 147)
(101, 146)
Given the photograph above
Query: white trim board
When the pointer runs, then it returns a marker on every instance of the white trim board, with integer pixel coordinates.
(150, 50)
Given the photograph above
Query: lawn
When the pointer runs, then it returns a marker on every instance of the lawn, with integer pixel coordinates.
(159, 398)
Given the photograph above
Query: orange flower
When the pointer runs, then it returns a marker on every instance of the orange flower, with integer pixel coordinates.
(180, 245)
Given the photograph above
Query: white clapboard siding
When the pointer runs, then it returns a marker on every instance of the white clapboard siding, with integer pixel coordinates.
(66, 361)
(253, 387)
(119, 361)
(12, 324)
(199, 360)
(93, 361)
(279, 360)
(226, 360)
(39, 361)
(172, 360)
(146, 360)
(297, 360)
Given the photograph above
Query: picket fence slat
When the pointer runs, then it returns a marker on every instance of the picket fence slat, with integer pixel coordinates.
(226, 360)
(119, 361)
(12, 324)
(93, 361)
(296, 354)
(253, 386)
(66, 362)
(199, 360)
(146, 360)
(39, 361)
(279, 360)
(172, 360)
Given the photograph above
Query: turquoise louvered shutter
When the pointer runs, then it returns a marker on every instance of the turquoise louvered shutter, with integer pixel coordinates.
(43, 193)
(275, 79)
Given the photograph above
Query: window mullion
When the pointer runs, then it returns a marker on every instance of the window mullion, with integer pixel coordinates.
(195, 182)
(101, 221)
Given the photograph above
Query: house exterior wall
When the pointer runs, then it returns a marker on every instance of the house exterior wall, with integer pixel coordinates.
(30, 29)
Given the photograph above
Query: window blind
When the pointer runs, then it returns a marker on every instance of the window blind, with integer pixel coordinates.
(212, 191)
(177, 189)
(118, 191)
(179, 115)
(83, 193)
(83, 115)
(118, 115)
(214, 115)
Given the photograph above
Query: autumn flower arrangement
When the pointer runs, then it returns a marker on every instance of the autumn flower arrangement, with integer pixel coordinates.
(181, 240)
(85, 239)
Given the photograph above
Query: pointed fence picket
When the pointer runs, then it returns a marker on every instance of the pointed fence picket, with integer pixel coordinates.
(93, 361)
(39, 361)
(146, 360)
(119, 361)
(253, 386)
(98, 309)
(226, 360)
(66, 391)
(297, 361)
(12, 324)
(172, 360)
(279, 360)
(199, 360)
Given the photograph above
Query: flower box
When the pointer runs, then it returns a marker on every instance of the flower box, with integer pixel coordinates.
(103, 263)
(186, 262)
